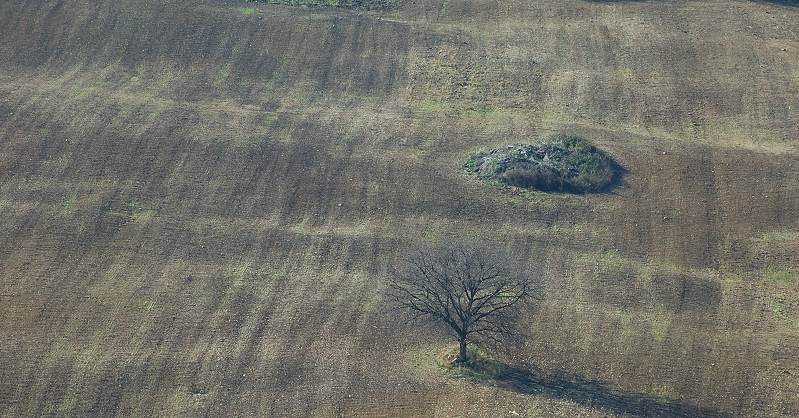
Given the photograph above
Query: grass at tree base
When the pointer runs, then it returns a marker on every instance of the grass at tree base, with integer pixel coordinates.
(480, 364)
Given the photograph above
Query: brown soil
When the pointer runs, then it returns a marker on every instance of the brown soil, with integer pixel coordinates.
(199, 202)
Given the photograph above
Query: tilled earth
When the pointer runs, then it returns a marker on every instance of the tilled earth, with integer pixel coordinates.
(199, 201)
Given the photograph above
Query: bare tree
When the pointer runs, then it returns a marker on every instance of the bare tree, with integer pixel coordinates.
(472, 289)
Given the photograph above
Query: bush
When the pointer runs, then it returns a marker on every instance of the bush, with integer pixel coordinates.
(562, 163)
(539, 178)
(362, 4)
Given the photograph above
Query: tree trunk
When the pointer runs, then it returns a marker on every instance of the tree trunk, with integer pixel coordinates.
(462, 355)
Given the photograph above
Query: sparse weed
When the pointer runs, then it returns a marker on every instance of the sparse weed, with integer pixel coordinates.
(778, 307)
(301, 226)
(779, 237)
(443, 8)
(659, 325)
(783, 276)
(138, 214)
(664, 392)
(138, 72)
(142, 216)
(266, 120)
(223, 75)
(608, 259)
(70, 201)
(180, 393)
(238, 274)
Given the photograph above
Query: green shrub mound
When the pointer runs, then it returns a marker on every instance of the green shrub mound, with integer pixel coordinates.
(363, 4)
(563, 163)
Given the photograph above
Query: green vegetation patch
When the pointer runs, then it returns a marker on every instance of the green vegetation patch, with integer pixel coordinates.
(563, 163)
(783, 276)
(480, 366)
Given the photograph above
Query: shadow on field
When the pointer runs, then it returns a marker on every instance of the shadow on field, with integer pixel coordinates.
(598, 395)
(794, 3)
(619, 173)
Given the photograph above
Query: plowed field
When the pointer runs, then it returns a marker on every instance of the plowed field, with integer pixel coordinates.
(199, 199)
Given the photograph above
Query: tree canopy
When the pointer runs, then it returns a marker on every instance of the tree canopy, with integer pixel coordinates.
(474, 290)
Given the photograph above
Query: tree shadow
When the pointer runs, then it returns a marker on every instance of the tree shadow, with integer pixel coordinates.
(618, 179)
(598, 395)
(616, 1)
(794, 3)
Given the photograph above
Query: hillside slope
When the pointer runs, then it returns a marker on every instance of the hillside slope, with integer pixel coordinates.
(199, 200)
